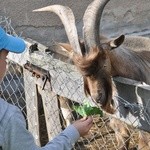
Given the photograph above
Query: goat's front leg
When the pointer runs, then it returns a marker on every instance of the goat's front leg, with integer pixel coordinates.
(121, 132)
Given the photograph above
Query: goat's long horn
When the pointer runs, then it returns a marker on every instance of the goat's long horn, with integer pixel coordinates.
(67, 17)
(91, 21)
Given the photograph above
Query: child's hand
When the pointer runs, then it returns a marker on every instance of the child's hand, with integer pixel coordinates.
(83, 125)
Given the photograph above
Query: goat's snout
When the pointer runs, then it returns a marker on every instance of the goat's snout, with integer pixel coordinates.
(98, 98)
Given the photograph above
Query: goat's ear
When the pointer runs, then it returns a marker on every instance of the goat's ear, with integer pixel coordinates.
(66, 47)
(117, 42)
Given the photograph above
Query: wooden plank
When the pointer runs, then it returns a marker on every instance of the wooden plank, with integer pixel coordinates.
(31, 106)
(51, 111)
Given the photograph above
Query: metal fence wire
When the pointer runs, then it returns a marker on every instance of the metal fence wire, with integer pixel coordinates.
(48, 113)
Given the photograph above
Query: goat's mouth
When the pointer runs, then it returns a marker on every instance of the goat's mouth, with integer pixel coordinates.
(110, 107)
(107, 104)
(99, 99)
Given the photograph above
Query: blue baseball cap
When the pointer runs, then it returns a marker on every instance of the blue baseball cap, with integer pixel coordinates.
(11, 43)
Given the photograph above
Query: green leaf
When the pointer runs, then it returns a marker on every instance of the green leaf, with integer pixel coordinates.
(87, 110)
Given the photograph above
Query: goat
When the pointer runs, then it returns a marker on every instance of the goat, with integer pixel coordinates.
(98, 59)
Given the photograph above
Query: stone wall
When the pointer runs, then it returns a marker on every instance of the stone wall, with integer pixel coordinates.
(119, 17)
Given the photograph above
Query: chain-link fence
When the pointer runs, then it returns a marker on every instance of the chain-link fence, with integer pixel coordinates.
(46, 87)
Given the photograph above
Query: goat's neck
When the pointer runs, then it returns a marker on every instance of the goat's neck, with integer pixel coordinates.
(128, 64)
